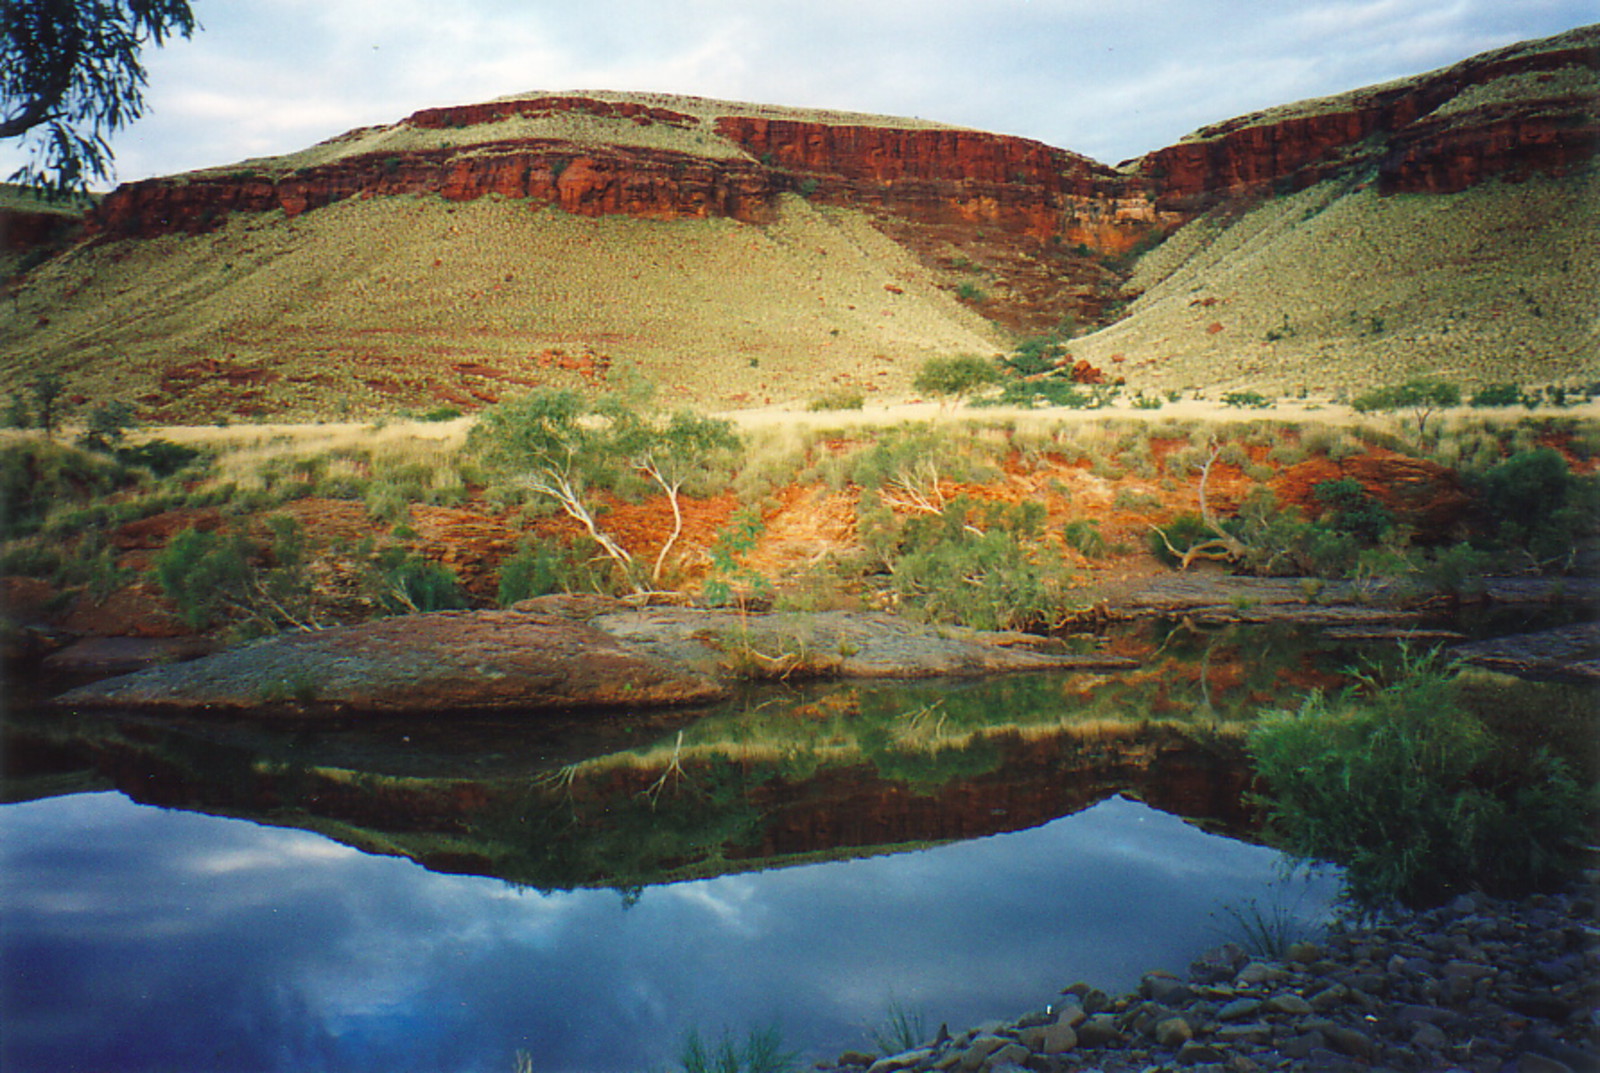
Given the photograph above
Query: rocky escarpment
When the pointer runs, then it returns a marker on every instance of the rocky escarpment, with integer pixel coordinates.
(1524, 109)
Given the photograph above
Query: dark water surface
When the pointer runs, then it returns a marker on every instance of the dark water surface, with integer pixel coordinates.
(438, 895)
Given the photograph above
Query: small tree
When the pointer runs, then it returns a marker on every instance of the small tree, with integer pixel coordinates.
(47, 392)
(956, 377)
(107, 426)
(670, 452)
(563, 447)
(1423, 397)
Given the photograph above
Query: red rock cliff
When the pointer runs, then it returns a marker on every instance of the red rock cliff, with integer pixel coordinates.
(1440, 132)
(1406, 130)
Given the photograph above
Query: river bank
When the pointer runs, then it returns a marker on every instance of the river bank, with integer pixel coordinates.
(1479, 985)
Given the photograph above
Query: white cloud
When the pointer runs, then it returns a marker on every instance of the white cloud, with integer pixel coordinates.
(1109, 80)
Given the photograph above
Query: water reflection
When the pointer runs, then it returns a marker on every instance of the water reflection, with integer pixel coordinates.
(433, 894)
(140, 938)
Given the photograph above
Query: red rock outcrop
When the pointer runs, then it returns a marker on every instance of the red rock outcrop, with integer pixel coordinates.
(1395, 127)
(1439, 132)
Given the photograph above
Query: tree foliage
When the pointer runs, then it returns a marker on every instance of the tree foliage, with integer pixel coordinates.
(70, 75)
(956, 377)
(1423, 397)
(565, 447)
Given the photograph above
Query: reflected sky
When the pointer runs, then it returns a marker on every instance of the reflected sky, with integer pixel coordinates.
(138, 938)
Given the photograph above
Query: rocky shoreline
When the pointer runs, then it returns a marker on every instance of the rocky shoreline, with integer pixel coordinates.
(1479, 985)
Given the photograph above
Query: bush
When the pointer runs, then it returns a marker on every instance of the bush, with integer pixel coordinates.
(39, 479)
(837, 400)
(1402, 786)
(1242, 400)
(532, 571)
(403, 582)
(982, 567)
(955, 377)
(162, 458)
(201, 572)
(1534, 502)
(1496, 395)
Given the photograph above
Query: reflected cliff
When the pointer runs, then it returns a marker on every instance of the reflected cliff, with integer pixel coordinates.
(775, 777)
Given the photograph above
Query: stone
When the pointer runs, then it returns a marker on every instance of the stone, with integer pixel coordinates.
(1347, 1040)
(1098, 1031)
(1238, 1008)
(1194, 1052)
(1293, 1005)
(1095, 1000)
(1218, 964)
(979, 1050)
(1429, 1035)
(1012, 1055)
(1260, 972)
(1303, 953)
(1061, 1035)
(1330, 997)
(1165, 988)
(1532, 1062)
(905, 1060)
(1173, 1032)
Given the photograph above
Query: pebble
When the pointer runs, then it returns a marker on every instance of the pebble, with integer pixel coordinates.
(1476, 986)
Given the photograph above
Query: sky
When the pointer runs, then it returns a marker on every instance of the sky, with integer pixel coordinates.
(1111, 79)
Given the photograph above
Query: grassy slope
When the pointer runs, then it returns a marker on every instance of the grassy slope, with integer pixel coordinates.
(1495, 283)
(380, 299)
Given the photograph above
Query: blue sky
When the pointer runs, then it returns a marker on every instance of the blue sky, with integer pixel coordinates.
(1111, 80)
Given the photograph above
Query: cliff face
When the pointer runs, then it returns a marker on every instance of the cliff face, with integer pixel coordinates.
(934, 176)
(1527, 108)
(1511, 112)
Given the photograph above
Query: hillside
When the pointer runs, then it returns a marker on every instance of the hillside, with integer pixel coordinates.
(754, 255)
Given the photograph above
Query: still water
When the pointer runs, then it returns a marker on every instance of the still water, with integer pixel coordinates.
(228, 896)
(139, 938)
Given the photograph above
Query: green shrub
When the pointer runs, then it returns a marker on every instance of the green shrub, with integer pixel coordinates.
(202, 572)
(38, 479)
(532, 571)
(162, 458)
(1037, 355)
(107, 425)
(762, 1052)
(837, 400)
(1402, 786)
(955, 377)
(1348, 508)
(1496, 395)
(402, 582)
(981, 566)
(1242, 400)
(1533, 502)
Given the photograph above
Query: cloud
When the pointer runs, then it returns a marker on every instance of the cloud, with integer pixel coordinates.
(1112, 81)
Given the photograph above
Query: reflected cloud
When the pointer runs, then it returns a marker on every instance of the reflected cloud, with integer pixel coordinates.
(285, 951)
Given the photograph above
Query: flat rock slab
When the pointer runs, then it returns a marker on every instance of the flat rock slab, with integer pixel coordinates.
(443, 661)
(593, 656)
(120, 655)
(834, 644)
(1571, 653)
